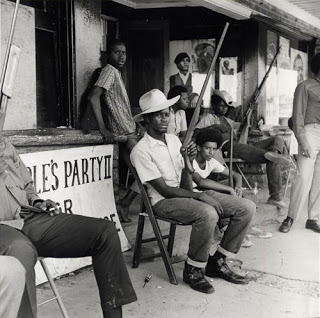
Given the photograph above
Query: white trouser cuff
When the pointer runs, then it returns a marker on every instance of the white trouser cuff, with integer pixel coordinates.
(195, 263)
(225, 252)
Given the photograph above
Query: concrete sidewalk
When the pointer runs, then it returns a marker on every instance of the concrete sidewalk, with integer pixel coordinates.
(286, 267)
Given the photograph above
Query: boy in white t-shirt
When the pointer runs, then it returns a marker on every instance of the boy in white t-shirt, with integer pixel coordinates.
(208, 143)
(233, 205)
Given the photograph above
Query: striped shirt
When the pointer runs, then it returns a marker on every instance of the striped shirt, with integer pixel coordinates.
(116, 110)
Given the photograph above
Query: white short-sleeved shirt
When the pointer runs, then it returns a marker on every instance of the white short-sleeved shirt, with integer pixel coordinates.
(211, 166)
(153, 159)
(177, 122)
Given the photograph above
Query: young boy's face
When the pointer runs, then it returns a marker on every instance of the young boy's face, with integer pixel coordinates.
(221, 108)
(207, 150)
(118, 56)
(183, 65)
(183, 102)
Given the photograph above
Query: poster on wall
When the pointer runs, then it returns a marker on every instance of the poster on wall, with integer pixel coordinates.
(80, 181)
(272, 46)
(229, 79)
(272, 98)
(287, 83)
(189, 61)
(284, 54)
(299, 63)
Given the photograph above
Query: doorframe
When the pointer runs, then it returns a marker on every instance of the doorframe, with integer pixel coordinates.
(156, 25)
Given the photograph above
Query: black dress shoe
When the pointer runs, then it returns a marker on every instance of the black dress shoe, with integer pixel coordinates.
(286, 225)
(313, 225)
(219, 268)
(195, 278)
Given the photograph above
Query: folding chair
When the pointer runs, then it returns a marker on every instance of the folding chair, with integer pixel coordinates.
(236, 162)
(57, 296)
(165, 252)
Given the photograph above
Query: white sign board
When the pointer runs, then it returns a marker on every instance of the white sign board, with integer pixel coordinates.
(80, 180)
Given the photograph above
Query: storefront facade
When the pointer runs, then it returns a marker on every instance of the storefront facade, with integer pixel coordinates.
(61, 42)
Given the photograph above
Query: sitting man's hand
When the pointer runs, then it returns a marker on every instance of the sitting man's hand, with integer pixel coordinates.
(48, 206)
(232, 192)
(108, 136)
(204, 197)
(193, 101)
(238, 191)
(191, 150)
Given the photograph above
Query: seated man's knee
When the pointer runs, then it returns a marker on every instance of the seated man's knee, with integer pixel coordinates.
(209, 214)
(23, 250)
(251, 208)
(12, 271)
(108, 231)
(278, 143)
(247, 208)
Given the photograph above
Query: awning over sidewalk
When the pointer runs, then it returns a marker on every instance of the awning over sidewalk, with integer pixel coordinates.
(292, 16)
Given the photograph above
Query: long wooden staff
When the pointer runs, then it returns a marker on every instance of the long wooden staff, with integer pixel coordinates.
(196, 113)
(9, 70)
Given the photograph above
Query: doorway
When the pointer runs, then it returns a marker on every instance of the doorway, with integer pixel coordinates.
(148, 48)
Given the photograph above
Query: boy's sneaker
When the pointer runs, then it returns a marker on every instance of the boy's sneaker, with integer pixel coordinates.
(246, 242)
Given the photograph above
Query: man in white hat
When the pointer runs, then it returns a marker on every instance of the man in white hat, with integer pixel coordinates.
(159, 163)
(267, 151)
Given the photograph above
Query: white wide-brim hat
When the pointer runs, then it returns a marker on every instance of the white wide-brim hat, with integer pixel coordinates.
(225, 96)
(154, 101)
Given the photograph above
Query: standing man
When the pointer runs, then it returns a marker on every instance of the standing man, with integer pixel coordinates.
(183, 77)
(305, 191)
(267, 151)
(25, 235)
(159, 164)
(111, 107)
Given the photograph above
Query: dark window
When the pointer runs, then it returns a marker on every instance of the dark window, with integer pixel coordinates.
(54, 65)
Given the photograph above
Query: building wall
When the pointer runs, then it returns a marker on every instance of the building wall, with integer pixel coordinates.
(21, 113)
(88, 41)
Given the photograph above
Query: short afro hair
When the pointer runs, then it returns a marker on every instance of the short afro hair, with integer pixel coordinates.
(315, 64)
(209, 134)
(176, 91)
(113, 43)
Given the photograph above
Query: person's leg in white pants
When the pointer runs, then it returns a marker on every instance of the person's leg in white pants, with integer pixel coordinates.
(12, 283)
(314, 197)
(301, 186)
(305, 192)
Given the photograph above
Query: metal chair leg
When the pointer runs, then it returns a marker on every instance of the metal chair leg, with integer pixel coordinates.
(172, 235)
(138, 243)
(54, 289)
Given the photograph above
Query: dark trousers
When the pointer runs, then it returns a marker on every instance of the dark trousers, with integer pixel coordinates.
(67, 236)
(255, 154)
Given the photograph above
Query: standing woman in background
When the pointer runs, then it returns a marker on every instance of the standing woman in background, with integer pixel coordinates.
(306, 127)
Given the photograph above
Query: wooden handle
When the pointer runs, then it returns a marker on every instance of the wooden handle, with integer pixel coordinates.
(195, 117)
